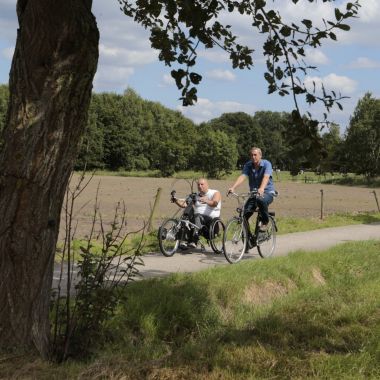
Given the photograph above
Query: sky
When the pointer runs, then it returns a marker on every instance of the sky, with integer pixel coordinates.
(350, 65)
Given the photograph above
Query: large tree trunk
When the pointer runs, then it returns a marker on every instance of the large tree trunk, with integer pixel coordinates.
(50, 89)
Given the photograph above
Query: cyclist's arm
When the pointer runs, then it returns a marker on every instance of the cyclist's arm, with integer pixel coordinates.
(237, 183)
(214, 201)
(263, 184)
(180, 202)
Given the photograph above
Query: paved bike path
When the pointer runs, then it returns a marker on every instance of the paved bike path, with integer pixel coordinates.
(159, 265)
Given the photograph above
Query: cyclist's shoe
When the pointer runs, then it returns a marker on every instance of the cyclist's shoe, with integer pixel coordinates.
(263, 227)
(192, 245)
(183, 246)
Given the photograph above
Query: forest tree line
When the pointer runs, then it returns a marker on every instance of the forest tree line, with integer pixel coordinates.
(126, 132)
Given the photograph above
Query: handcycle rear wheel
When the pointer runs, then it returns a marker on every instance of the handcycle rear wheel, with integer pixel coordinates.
(216, 234)
(168, 237)
(235, 240)
(266, 240)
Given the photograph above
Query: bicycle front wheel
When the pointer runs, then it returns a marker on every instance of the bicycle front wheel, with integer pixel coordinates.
(235, 240)
(216, 235)
(168, 237)
(266, 240)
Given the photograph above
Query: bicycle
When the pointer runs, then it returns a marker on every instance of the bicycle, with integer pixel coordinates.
(174, 230)
(238, 238)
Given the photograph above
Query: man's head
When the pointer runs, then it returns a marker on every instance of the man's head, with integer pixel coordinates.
(255, 154)
(202, 185)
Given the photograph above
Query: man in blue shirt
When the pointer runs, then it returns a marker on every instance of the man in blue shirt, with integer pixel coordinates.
(259, 173)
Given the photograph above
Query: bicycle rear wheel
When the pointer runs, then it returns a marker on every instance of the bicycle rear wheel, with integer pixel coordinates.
(235, 240)
(266, 240)
(216, 234)
(168, 237)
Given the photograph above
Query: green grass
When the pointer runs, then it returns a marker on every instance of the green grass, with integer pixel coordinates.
(290, 224)
(305, 316)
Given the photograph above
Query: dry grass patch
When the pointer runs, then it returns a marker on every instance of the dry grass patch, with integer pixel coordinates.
(318, 276)
(264, 293)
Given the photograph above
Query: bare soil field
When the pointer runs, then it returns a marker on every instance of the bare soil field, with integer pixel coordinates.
(138, 195)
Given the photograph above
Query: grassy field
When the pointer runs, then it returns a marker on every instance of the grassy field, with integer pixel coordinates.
(304, 316)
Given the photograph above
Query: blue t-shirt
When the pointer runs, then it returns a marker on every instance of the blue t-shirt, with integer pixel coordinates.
(256, 176)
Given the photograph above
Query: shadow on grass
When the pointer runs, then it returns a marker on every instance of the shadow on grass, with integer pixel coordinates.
(366, 218)
(187, 319)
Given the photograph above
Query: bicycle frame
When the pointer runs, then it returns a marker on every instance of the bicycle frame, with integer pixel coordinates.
(252, 235)
(239, 237)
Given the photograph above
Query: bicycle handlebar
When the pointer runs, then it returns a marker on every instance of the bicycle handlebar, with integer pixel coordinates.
(191, 198)
(243, 195)
(249, 194)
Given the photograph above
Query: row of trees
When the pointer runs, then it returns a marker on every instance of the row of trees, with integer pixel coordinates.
(127, 132)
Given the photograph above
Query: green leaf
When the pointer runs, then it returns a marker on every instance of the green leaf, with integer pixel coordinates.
(195, 78)
(285, 31)
(338, 14)
(344, 27)
(279, 73)
(307, 23)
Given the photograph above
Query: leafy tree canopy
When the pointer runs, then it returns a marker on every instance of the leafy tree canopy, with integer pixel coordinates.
(179, 28)
(362, 144)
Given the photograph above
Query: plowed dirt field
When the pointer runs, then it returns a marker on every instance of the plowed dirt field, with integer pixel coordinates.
(138, 195)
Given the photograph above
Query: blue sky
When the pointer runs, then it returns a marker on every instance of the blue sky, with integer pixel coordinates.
(350, 66)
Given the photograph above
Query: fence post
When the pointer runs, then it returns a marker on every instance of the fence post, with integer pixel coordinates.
(377, 202)
(151, 217)
(321, 204)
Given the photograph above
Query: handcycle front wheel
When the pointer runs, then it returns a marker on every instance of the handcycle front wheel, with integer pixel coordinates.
(235, 240)
(216, 235)
(266, 240)
(168, 237)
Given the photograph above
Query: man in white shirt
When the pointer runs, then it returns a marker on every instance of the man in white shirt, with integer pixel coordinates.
(207, 207)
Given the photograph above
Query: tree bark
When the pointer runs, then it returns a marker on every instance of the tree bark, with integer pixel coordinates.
(50, 85)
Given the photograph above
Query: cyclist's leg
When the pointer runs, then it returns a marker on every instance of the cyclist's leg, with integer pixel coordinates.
(249, 209)
(263, 203)
(206, 223)
(199, 221)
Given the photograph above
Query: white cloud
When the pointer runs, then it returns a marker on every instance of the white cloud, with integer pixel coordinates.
(334, 82)
(167, 80)
(215, 55)
(364, 63)
(122, 56)
(316, 57)
(225, 75)
(366, 28)
(205, 109)
(112, 79)
(369, 11)
(315, 11)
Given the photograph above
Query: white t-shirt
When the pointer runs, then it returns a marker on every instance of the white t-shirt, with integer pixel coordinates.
(205, 209)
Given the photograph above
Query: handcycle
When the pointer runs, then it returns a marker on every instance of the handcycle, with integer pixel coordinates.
(175, 230)
(238, 237)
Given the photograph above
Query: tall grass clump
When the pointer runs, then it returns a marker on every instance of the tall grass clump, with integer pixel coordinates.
(93, 274)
